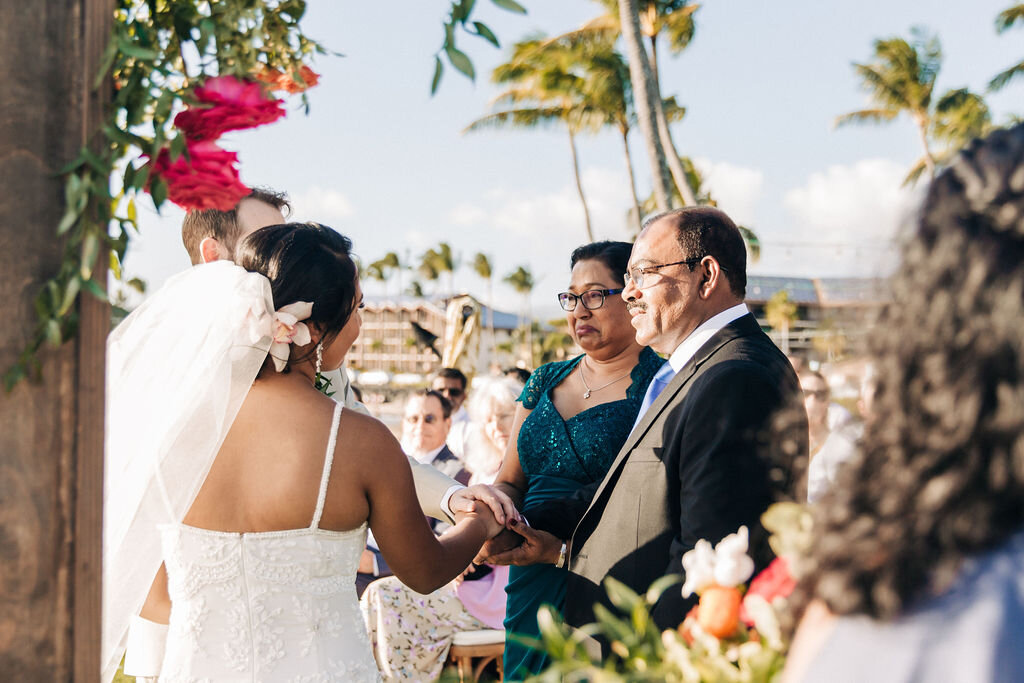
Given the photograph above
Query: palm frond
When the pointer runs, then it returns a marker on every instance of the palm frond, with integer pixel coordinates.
(915, 173)
(518, 118)
(1008, 17)
(1004, 77)
(866, 116)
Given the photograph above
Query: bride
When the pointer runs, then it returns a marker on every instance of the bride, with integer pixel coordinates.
(238, 496)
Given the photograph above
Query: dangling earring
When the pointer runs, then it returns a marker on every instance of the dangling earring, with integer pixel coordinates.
(319, 356)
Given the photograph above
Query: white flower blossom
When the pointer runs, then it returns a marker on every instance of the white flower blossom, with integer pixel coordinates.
(726, 565)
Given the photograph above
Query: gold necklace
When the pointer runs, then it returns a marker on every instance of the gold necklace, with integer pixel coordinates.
(587, 393)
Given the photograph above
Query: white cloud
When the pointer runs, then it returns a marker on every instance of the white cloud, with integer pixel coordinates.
(321, 204)
(540, 230)
(845, 221)
(736, 189)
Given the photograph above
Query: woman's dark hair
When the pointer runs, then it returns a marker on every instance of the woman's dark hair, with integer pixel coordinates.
(940, 476)
(615, 255)
(305, 262)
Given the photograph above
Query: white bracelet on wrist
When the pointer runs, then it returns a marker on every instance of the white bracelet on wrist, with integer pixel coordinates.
(561, 557)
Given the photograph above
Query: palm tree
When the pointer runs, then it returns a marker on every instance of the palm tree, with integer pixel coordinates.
(429, 268)
(542, 89)
(376, 271)
(1004, 21)
(901, 80)
(960, 116)
(781, 313)
(447, 263)
(391, 261)
(521, 280)
(673, 18)
(483, 268)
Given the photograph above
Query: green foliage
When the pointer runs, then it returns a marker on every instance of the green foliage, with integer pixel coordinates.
(1006, 19)
(901, 79)
(459, 17)
(149, 79)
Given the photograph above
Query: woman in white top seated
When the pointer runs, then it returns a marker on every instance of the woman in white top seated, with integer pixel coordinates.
(238, 495)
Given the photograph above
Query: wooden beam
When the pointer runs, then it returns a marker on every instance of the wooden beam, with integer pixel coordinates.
(51, 435)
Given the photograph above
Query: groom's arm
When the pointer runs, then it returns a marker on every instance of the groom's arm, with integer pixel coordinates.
(433, 489)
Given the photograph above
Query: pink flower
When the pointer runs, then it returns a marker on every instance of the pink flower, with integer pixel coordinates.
(205, 178)
(287, 330)
(773, 582)
(227, 103)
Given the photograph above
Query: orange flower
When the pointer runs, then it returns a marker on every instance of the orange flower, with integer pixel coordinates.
(277, 80)
(718, 611)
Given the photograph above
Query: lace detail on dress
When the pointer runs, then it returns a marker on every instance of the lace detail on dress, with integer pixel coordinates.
(275, 606)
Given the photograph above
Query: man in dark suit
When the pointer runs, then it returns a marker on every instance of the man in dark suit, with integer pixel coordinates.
(714, 444)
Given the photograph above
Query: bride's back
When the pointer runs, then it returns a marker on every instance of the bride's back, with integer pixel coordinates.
(267, 474)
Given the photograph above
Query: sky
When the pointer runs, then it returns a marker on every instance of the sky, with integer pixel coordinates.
(385, 163)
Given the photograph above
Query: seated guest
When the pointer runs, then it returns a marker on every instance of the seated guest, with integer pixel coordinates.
(520, 374)
(424, 430)
(453, 385)
(492, 410)
(917, 566)
(828, 447)
(411, 633)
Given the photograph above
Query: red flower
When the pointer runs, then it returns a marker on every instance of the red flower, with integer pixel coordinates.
(231, 104)
(207, 179)
(774, 582)
(282, 81)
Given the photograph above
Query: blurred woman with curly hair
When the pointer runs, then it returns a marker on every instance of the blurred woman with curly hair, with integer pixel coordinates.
(917, 572)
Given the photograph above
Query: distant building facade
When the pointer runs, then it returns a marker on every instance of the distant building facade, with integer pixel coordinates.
(832, 314)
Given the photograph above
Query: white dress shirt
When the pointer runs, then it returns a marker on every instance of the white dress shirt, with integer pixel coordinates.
(700, 336)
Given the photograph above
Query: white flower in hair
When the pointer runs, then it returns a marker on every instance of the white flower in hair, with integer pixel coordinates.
(287, 329)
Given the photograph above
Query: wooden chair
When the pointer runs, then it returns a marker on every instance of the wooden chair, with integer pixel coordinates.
(486, 645)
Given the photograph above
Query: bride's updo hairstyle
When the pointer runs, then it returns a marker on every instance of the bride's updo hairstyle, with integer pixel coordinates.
(941, 473)
(305, 262)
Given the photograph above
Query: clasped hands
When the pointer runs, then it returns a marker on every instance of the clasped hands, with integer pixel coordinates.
(514, 542)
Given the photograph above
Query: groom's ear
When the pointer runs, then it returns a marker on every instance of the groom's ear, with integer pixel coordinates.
(210, 250)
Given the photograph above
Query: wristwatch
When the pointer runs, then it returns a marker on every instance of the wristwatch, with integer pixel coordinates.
(561, 558)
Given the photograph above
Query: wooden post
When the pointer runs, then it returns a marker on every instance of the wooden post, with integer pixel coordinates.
(51, 435)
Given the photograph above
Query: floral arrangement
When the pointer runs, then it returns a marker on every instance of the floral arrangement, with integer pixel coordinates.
(732, 634)
(179, 74)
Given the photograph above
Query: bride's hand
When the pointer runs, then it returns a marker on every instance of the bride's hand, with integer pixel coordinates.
(482, 514)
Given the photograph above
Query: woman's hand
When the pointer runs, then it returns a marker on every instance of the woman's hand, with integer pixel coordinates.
(467, 499)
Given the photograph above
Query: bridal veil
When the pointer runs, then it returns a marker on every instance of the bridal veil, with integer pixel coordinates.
(178, 369)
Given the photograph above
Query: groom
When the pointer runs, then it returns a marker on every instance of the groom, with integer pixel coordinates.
(212, 235)
(705, 455)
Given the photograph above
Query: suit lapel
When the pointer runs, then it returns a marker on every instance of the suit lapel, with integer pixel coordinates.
(737, 328)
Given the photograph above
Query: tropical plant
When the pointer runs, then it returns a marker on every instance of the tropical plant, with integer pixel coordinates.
(459, 17)
(781, 313)
(901, 80)
(482, 267)
(1007, 18)
(544, 86)
(521, 280)
(674, 19)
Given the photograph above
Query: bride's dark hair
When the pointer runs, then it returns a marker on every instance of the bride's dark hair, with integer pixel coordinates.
(941, 473)
(305, 262)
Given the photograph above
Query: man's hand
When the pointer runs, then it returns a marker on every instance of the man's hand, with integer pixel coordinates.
(465, 500)
(503, 542)
(538, 547)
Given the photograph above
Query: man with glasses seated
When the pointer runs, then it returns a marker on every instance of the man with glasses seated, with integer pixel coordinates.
(425, 427)
(453, 385)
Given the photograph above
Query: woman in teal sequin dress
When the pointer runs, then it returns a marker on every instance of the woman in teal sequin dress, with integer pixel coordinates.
(572, 420)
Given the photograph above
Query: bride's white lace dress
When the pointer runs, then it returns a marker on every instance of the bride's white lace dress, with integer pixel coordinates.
(268, 606)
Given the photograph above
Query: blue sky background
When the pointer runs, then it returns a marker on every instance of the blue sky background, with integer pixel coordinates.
(386, 164)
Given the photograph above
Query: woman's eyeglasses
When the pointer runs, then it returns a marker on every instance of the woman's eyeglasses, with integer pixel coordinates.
(592, 298)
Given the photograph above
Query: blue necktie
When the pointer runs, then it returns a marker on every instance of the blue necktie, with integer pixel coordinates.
(661, 380)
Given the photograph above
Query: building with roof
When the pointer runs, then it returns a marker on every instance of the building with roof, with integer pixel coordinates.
(832, 314)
